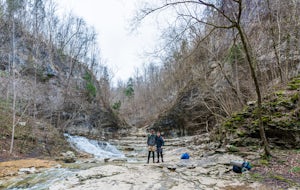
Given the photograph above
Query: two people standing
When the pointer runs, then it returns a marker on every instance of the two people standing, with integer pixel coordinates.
(155, 142)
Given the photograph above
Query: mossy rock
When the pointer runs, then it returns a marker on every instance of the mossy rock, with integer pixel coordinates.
(232, 148)
(241, 133)
(295, 98)
(264, 162)
(294, 84)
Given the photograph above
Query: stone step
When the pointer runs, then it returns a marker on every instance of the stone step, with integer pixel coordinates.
(131, 148)
(133, 138)
(128, 141)
(130, 144)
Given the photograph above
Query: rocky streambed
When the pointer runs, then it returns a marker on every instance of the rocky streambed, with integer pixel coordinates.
(207, 168)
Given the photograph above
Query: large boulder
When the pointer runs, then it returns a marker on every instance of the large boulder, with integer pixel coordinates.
(68, 157)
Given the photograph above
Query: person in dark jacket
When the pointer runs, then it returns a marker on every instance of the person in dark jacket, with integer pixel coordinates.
(159, 143)
(151, 144)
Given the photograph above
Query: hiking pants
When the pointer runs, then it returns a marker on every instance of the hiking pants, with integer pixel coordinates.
(159, 154)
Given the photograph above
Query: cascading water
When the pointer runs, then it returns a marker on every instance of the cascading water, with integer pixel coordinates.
(97, 148)
(43, 180)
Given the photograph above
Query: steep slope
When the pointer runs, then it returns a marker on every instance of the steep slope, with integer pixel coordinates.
(55, 93)
(33, 138)
(281, 119)
(193, 112)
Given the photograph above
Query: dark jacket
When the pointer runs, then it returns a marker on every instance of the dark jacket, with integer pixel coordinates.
(151, 140)
(159, 141)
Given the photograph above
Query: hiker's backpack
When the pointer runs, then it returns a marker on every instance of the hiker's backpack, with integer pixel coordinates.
(151, 140)
(237, 169)
(245, 167)
(185, 156)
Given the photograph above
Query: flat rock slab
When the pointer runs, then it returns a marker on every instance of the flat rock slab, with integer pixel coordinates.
(11, 168)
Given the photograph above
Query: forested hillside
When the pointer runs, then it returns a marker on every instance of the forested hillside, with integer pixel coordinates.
(52, 80)
(214, 58)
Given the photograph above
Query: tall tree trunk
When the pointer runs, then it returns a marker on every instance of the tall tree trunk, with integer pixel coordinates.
(14, 88)
(257, 89)
(274, 45)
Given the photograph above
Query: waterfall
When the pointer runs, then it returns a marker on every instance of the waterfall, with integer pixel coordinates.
(99, 149)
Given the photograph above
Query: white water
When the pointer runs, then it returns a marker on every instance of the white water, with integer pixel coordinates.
(97, 148)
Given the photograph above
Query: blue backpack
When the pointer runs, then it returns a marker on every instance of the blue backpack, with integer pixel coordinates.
(247, 165)
(185, 156)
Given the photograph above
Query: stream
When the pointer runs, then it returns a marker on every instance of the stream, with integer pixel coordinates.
(99, 149)
(112, 168)
(46, 177)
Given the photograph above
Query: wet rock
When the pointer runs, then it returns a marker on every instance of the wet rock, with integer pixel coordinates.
(68, 157)
(191, 167)
(128, 149)
(184, 163)
(187, 163)
(211, 146)
(221, 150)
(31, 170)
(210, 153)
(85, 155)
(119, 160)
(171, 168)
(58, 166)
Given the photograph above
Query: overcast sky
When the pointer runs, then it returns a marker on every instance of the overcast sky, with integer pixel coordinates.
(122, 51)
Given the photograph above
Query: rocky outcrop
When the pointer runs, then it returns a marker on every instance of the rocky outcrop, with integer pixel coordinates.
(56, 88)
(281, 111)
(192, 113)
(68, 157)
(97, 123)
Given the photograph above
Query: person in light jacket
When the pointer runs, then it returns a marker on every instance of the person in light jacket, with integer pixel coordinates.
(151, 142)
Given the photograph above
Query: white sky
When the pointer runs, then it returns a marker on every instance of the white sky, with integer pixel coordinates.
(122, 51)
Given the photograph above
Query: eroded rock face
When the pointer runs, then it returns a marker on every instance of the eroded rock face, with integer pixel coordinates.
(189, 115)
(280, 116)
(96, 123)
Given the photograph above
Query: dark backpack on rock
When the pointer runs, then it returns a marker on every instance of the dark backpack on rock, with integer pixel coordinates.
(246, 166)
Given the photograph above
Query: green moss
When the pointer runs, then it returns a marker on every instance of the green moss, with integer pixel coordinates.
(228, 124)
(232, 148)
(255, 123)
(283, 179)
(257, 177)
(241, 133)
(238, 117)
(280, 93)
(295, 169)
(266, 119)
(294, 84)
(264, 162)
(295, 98)
(277, 114)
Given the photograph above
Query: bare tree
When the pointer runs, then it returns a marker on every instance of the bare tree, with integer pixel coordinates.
(231, 11)
(13, 6)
